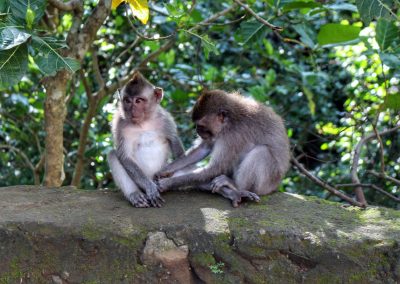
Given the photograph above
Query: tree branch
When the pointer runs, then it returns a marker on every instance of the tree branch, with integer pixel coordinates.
(213, 18)
(354, 176)
(373, 186)
(385, 176)
(258, 18)
(324, 184)
(66, 6)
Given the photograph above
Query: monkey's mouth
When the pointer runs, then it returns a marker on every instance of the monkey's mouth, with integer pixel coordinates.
(203, 132)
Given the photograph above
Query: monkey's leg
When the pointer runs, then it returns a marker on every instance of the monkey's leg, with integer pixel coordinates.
(230, 193)
(125, 183)
(258, 172)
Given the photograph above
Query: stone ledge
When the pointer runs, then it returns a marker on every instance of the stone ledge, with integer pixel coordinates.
(76, 236)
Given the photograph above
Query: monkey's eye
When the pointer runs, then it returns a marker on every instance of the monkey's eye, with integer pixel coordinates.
(139, 100)
(127, 100)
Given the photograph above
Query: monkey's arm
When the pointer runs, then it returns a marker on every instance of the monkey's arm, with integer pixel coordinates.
(195, 155)
(176, 147)
(191, 179)
(142, 181)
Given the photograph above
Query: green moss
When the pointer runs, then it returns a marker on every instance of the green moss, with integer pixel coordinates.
(204, 259)
(14, 274)
(90, 231)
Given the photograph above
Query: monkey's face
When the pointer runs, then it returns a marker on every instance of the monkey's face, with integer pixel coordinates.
(210, 125)
(139, 99)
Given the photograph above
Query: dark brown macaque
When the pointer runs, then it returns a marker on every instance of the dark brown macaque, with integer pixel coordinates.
(144, 137)
(248, 145)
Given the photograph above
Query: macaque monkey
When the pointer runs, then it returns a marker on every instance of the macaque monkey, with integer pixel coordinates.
(144, 137)
(248, 145)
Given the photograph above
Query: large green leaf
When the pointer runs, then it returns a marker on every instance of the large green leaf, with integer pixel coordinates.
(13, 65)
(251, 31)
(374, 9)
(19, 9)
(11, 37)
(49, 60)
(386, 33)
(337, 33)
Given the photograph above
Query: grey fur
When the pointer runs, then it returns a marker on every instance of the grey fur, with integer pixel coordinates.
(252, 148)
(134, 181)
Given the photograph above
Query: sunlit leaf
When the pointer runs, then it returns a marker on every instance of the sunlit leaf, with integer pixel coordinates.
(11, 37)
(116, 3)
(386, 33)
(337, 33)
(49, 60)
(13, 65)
(374, 9)
(310, 98)
(140, 9)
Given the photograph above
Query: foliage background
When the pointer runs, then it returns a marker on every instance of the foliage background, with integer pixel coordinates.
(331, 86)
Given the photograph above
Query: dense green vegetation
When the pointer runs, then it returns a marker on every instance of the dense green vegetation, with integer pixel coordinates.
(333, 73)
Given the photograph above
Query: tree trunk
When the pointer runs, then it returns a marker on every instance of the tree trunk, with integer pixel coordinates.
(55, 112)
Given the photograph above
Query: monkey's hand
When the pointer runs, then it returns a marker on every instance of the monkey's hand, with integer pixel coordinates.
(163, 174)
(153, 196)
(138, 199)
(245, 194)
(222, 181)
(163, 184)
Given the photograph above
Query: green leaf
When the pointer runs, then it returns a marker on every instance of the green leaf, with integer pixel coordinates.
(392, 102)
(342, 7)
(374, 9)
(208, 45)
(49, 60)
(390, 60)
(13, 65)
(19, 9)
(252, 31)
(386, 33)
(300, 5)
(11, 37)
(310, 98)
(306, 35)
(337, 33)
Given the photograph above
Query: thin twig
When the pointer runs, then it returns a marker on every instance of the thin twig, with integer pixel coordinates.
(213, 18)
(96, 69)
(373, 186)
(354, 176)
(324, 184)
(385, 176)
(258, 18)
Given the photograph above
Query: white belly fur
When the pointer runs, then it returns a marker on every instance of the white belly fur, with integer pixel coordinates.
(151, 152)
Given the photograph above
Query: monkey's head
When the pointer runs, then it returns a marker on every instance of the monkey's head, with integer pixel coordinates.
(210, 113)
(139, 98)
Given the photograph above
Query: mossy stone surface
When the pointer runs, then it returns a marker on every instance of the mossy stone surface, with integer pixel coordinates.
(97, 237)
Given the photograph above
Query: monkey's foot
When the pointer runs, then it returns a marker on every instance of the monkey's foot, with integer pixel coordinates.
(154, 197)
(138, 199)
(222, 181)
(238, 195)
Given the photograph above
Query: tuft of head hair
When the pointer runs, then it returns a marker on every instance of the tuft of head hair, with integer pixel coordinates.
(136, 85)
(218, 101)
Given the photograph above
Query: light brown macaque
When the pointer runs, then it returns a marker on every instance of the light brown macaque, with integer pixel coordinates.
(248, 145)
(144, 137)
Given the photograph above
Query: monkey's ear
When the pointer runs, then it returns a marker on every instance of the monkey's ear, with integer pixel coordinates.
(222, 114)
(158, 93)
